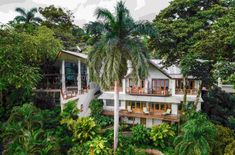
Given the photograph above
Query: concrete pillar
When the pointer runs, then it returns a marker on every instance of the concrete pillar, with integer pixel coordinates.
(146, 85)
(172, 87)
(63, 76)
(79, 80)
(174, 109)
(88, 80)
(219, 82)
(124, 86)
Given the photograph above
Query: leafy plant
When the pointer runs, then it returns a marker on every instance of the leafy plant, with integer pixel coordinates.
(230, 148)
(140, 135)
(83, 129)
(224, 137)
(161, 135)
(70, 110)
(195, 138)
(98, 146)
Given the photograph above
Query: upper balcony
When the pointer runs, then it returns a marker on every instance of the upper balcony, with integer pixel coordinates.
(148, 92)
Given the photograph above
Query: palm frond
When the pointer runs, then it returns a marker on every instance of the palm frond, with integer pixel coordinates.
(33, 10)
(20, 19)
(144, 28)
(105, 14)
(21, 11)
(94, 28)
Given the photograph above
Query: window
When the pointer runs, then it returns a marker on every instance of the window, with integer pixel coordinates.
(110, 103)
(190, 84)
(159, 85)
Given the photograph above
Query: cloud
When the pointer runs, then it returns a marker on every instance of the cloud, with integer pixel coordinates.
(84, 9)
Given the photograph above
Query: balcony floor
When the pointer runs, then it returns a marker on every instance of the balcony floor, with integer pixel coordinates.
(160, 116)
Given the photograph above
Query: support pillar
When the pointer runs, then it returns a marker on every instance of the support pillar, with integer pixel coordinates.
(63, 76)
(88, 80)
(79, 80)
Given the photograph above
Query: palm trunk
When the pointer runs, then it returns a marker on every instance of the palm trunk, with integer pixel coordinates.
(199, 91)
(185, 93)
(116, 115)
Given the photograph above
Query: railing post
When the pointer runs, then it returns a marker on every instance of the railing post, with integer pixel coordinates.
(63, 76)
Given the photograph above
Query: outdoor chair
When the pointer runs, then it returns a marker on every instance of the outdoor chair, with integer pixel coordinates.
(129, 109)
(168, 112)
(145, 110)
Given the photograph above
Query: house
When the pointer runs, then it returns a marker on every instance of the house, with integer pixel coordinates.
(153, 100)
(157, 98)
(67, 79)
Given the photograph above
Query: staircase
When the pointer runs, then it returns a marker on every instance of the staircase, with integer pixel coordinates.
(83, 100)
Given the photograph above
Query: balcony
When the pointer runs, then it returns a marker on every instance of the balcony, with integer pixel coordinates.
(152, 115)
(147, 92)
(189, 91)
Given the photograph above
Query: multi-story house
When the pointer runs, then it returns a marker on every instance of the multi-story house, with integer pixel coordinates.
(157, 98)
(152, 100)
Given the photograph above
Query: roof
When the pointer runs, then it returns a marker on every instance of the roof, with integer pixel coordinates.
(80, 55)
(228, 89)
(172, 71)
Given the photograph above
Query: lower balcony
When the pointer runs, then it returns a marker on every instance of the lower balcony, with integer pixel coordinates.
(151, 115)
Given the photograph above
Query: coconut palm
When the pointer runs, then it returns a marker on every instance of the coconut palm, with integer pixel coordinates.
(119, 41)
(197, 136)
(27, 17)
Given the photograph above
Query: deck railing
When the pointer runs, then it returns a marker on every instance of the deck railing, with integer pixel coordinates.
(189, 91)
(143, 91)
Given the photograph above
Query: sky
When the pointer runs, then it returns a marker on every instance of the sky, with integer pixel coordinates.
(83, 10)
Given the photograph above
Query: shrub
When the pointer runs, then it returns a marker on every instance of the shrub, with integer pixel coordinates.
(161, 135)
(224, 137)
(96, 107)
(230, 148)
(197, 136)
(83, 129)
(70, 110)
(140, 135)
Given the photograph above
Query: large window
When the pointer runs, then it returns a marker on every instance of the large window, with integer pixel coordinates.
(110, 103)
(179, 85)
(160, 86)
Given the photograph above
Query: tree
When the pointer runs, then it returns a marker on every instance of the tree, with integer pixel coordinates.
(140, 135)
(61, 22)
(194, 139)
(27, 17)
(219, 106)
(21, 56)
(119, 42)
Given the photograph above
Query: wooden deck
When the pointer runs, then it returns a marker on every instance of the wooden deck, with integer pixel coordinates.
(160, 116)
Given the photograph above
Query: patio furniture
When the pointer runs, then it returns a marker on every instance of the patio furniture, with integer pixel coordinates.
(168, 112)
(145, 110)
(129, 108)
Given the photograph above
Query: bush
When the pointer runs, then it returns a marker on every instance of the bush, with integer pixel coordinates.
(96, 107)
(162, 135)
(140, 135)
(197, 136)
(224, 137)
(230, 148)
(70, 110)
(83, 129)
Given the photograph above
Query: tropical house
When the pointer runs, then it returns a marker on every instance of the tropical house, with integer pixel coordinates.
(157, 98)
(153, 100)
(68, 80)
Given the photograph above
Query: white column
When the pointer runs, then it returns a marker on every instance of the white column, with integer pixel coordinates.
(88, 80)
(146, 85)
(174, 109)
(63, 76)
(219, 82)
(79, 78)
(172, 86)
(124, 85)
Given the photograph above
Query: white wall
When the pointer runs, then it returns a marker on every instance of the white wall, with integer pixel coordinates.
(149, 122)
(174, 109)
(157, 122)
(110, 108)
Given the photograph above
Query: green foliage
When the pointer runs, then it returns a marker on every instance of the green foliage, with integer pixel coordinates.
(195, 139)
(230, 148)
(27, 17)
(96, 107)
(23, 133)
(161, 135)
(140, 135)
(219, 106)
(117, 40)
(83, 129)
(21, 55)
(224, 137)
(70, 110)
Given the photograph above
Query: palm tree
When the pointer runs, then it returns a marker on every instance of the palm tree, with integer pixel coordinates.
(195, 139)
(27, 17)
(118, 43)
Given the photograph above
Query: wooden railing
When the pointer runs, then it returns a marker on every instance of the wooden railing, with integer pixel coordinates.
(189, 91)
(143, 91)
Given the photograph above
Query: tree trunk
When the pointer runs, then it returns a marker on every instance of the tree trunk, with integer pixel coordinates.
(116, 115)
(199, 91)
(185, 93)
